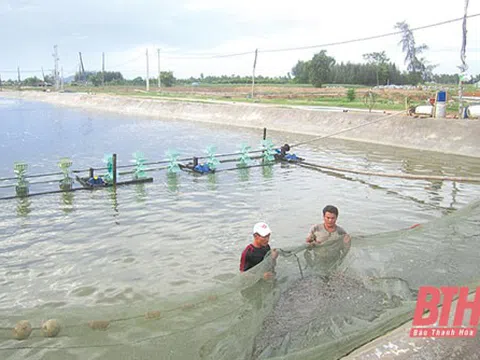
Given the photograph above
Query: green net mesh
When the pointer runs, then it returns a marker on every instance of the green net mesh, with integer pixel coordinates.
(323, 303)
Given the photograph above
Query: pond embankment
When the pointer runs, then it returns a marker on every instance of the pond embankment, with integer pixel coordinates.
(450, 136)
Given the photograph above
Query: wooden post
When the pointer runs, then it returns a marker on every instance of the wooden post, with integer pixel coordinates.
(464, 66)
(460, 97)
(103, 69)
(195, 161)
(91, 172)
(253, 73)
(159, 73)
(264, 138)
(114, 163)
(148, 75)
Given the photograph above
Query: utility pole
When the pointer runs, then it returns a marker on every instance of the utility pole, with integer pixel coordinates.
(464, 67)
(19, 80)
(253, 74)
(148, 75)
(61, 80)
(103, 69)
(55, 57)
(82, 68)
(159, 74)
(43, 75)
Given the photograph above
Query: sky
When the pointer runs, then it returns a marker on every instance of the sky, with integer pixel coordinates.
(193, 35)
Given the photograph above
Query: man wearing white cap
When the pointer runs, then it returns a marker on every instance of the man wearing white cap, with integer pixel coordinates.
(255, 252)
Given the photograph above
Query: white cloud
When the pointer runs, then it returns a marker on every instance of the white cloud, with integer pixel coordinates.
(315, 22)
(5, 8)
(226, 26)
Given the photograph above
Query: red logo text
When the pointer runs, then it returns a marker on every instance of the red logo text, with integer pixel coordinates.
(434, 310)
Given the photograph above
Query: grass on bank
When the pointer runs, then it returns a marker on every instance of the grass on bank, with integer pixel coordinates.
(281, 94)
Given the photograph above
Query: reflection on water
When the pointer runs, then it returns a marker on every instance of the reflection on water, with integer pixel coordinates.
(141, 192)
(454, 194)
(67, 201)
(267, 171)
(212, 181)
(243, 174)
(86, 127)
(172, 182)
(23, 206)
(112, 190)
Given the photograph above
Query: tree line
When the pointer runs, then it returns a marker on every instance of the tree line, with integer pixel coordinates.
(318, 72)
(116, 78)
(366, 74)
(377, 70)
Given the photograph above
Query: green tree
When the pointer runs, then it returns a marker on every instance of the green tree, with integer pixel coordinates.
(95, 79)
(320, 68)
(32, 81)
(380, 61)
(138, 81)
(112, 76)
(300, 72)
(351, 94)
(49, 79)
(83, 77)
(167, 78)
(412, 52)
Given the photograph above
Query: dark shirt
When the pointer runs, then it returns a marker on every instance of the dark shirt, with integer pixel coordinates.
(252, 256)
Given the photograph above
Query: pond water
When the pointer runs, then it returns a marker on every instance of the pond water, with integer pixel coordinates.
(180, 235)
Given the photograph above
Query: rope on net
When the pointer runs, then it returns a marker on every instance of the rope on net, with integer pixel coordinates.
(402, 176)
(383, 118)
(52, 328)
(98, 325)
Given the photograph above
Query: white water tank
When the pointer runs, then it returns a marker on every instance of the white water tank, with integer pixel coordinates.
(441, 104)
(473, 111)
(440, 110)
(424, 110)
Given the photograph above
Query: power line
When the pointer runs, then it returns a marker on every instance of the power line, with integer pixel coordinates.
(126, 62)
(213, 56)
(369, 37)
(24, 71)
(453, 49)
(207, 56)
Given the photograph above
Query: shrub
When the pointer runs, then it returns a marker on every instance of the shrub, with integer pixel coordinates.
(351, 94)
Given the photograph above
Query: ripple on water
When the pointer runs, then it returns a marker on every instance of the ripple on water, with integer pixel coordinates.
(184, 233)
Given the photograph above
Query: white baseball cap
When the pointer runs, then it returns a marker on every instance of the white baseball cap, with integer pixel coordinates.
(261, 229)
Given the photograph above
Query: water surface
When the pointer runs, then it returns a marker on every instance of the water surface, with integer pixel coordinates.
(141, 243)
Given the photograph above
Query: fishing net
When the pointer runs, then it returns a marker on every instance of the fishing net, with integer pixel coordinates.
(324, 302)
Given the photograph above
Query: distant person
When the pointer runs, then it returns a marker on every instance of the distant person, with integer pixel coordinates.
(329, 230)
(255, 252)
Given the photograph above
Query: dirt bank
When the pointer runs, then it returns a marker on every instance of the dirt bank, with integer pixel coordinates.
(451, 136)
